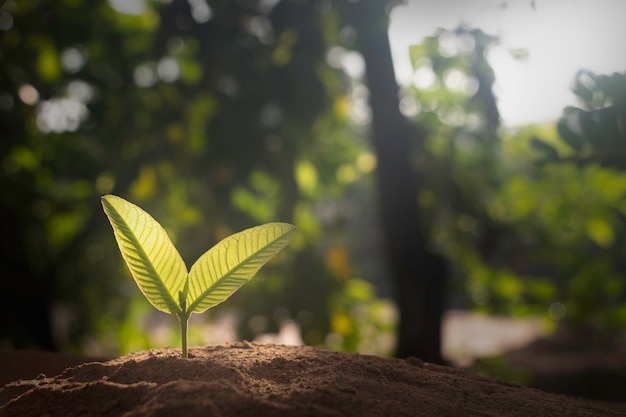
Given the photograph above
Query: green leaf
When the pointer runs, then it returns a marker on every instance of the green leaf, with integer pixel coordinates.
(154, 262)
(600, 231)
(547, 149)
(233, 262)
(569, 136)
(49, 62)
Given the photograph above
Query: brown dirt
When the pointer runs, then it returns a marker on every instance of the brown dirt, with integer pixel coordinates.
(249, 379)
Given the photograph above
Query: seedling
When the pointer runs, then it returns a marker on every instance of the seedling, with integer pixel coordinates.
(161, 273)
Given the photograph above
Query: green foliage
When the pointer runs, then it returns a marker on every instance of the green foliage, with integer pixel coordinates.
(362, 322)
(245, 118)
(203, 124)
(595, 133)
(532, 219)
(161, 274)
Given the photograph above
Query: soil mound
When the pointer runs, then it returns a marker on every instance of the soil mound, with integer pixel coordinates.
(249, 379)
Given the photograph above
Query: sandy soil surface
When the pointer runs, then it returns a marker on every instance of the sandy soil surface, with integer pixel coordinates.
(249, 379)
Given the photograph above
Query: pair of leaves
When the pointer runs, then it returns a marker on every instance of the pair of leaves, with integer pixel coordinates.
(161, 273)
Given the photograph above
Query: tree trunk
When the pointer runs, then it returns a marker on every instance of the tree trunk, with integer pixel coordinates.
(418, 275)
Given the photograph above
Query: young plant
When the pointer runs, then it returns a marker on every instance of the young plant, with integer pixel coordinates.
(161, 273)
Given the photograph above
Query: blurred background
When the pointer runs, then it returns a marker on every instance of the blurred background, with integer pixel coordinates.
(456, 171)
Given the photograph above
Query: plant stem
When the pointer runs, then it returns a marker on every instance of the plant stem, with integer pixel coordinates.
(184, 321)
